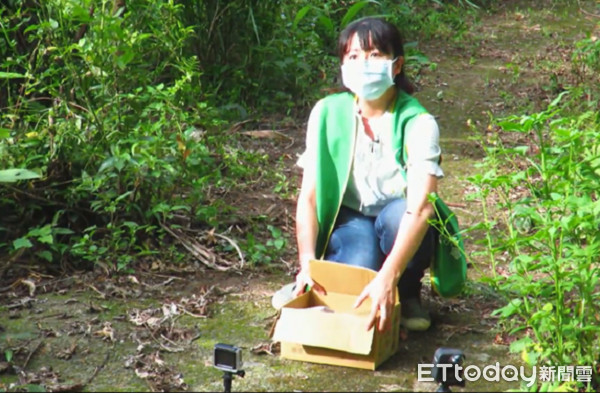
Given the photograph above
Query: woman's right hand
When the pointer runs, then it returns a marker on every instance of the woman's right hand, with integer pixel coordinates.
(303, 279)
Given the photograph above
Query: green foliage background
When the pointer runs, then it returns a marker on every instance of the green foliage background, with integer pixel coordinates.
(117, 111)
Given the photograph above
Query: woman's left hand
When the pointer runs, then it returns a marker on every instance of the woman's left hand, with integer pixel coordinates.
(382, 291)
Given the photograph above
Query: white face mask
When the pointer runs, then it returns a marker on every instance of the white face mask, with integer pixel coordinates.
(368, 79)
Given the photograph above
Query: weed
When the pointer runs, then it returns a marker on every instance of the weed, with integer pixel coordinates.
(543, 170)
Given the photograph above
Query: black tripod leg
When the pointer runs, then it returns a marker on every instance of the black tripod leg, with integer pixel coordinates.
(227, 378)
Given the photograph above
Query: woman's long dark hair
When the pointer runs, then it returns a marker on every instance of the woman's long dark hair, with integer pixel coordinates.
(380, 34)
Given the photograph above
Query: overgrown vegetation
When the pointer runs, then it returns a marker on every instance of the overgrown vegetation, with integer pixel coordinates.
(117, 116)
(542, 172)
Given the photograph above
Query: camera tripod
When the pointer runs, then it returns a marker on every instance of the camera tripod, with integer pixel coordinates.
(228, 378)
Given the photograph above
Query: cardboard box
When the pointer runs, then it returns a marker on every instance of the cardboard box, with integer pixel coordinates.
(327, 329)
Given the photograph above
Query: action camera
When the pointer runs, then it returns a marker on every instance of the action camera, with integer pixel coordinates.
(446, 363)
(228, 358)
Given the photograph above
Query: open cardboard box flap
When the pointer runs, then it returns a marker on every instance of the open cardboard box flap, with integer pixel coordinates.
(330, 321)
(340, 278)
(341, 331)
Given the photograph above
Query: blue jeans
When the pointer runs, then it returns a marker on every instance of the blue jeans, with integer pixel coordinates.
(365, 241)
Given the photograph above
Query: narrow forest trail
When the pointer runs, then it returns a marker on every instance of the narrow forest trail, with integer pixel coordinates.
(156, 331)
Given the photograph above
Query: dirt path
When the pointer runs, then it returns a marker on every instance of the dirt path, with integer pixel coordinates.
(155, 330)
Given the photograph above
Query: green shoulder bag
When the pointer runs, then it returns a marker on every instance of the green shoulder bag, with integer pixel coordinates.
(448, 268)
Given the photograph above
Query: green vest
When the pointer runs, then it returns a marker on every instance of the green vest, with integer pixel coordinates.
(335, 151)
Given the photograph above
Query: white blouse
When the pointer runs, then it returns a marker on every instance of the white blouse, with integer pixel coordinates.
(375, 176)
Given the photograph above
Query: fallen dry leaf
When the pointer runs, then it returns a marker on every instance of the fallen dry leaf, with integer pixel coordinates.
(106, 333)
(155, 371)
(270, 348)
(142, 374)
(68, 353)
(142, 317)
(169, 310)
(391, 388)
(5, 367)
(133, 280)
(31, 285)
(503, 339)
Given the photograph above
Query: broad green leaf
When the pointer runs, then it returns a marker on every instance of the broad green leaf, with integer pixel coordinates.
(300, 15)
(509, 309)
(62, 231)
(520, 149)
(326, 22)
(123, 196)
(4, 133)
(131, 224)
(30, 28)
(10, 75)
(40, 231)
(109, 162)
(520, 344)
(355, 9)
(22, 242)
(529, 357)
(557, 99)
(125, 58)
(14, 174)
(279, 243)
(510, 126)
(47, 255)
(180, 207)
(48, 239)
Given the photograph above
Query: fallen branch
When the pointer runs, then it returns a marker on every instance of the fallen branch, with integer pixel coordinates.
(587, 12)
(98, 369)
(167, 282)
(161, 275)
(237, 248)
(210, 236)
(25, 302)
(102, 295)
(237, 126)
(168, 349)
(196, 249)
(191, 314)
(271, 134)
(31, 354)
(7, 266)
(170, 341)
(461, 205)
(196, 337)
